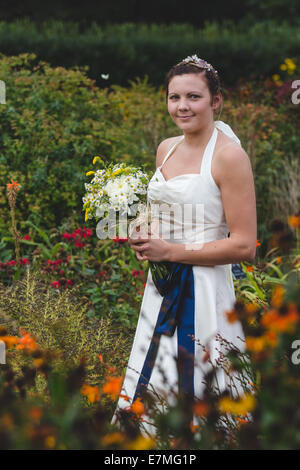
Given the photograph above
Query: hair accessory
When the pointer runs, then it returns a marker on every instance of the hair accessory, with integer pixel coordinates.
(201, 63)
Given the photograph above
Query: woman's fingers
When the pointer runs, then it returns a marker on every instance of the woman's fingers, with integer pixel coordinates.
(141, 247)
(139, 256)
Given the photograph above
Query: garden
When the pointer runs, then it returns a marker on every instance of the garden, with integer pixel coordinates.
(69, 301)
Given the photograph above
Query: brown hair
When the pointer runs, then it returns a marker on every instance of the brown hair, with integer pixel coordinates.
(212, 78)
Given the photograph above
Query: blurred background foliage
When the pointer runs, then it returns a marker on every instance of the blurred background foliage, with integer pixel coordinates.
(129, 50)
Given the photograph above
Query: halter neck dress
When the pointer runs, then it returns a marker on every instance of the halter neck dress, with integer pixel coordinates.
(213, 285)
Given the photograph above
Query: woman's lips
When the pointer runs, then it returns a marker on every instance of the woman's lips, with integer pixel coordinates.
(184, 117)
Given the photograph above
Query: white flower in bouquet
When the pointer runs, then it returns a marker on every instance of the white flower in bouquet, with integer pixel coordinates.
(117, 186)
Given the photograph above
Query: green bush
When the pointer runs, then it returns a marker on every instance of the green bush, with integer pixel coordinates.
(59, 322)
(56, 120)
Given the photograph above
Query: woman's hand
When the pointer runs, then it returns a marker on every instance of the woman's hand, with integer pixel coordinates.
(150, 248)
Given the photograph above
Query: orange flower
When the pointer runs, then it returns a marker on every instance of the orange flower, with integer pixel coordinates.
(251, 308)
(278, 259)
(137, 407)
(193, 427)
(294, 221)
(27, 342)
(258, 344)
(255, 344)
(250, 269)
(9, 341)
(100, 357)
(241, 420)
(271, 339)
(35, 413)
(257, 243)
(13, 186)
(38, 362)
(92, 393)
(232, 316)
(7, 421)
(113, 387)
(277, 296)
(125, 397)
(201, 408)
(281, 322)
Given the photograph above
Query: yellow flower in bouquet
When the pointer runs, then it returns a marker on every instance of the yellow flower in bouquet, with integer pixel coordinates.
(115, 187)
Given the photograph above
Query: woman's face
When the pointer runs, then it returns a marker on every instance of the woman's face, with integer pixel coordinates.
(189, 101)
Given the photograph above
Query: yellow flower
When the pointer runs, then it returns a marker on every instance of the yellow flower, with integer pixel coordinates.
(113, 438)
(237, 407)
(141, 443)
(90, 173)
(97, 159)
(283, 67)
(290, 64)
(117, 172)
(276, 77)
(87, 213)
(50, 442)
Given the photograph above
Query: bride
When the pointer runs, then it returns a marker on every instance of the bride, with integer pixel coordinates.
(205, 166)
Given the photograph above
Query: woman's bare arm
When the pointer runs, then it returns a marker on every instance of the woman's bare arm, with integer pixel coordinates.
(235, 179)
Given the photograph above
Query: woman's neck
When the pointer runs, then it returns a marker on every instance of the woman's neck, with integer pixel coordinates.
(199, 138)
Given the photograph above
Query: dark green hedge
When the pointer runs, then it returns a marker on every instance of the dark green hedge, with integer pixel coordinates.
(156, 11)
(127, 51)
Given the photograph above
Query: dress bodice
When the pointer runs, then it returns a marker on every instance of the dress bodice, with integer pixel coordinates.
(189, 206)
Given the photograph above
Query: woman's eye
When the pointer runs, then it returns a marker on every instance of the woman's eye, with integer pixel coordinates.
(195, 96)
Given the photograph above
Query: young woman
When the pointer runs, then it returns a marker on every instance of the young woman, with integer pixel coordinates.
(204, 168)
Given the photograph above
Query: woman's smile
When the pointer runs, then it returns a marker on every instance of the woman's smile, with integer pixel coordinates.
(185, 117)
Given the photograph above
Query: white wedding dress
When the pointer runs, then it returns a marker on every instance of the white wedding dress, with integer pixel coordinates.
(213, 285)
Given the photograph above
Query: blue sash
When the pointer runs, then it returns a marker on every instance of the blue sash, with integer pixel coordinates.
(176, 313)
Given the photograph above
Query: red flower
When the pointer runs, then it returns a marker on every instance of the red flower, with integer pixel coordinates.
(24, 261)
(136, 273)
(79, 244)
(55, 284)
(67, 235)
(11, 263)
(27, 237)
(120, 240)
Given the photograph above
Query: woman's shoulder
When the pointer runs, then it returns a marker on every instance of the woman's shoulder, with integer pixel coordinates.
(229, 158)
(164, 147)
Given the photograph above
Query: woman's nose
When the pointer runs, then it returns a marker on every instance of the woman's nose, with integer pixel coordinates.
(183, 105)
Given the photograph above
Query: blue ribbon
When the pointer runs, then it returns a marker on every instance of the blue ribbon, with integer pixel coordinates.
(177, 312)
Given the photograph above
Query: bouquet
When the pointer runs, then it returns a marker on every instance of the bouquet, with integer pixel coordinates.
(117, 195)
